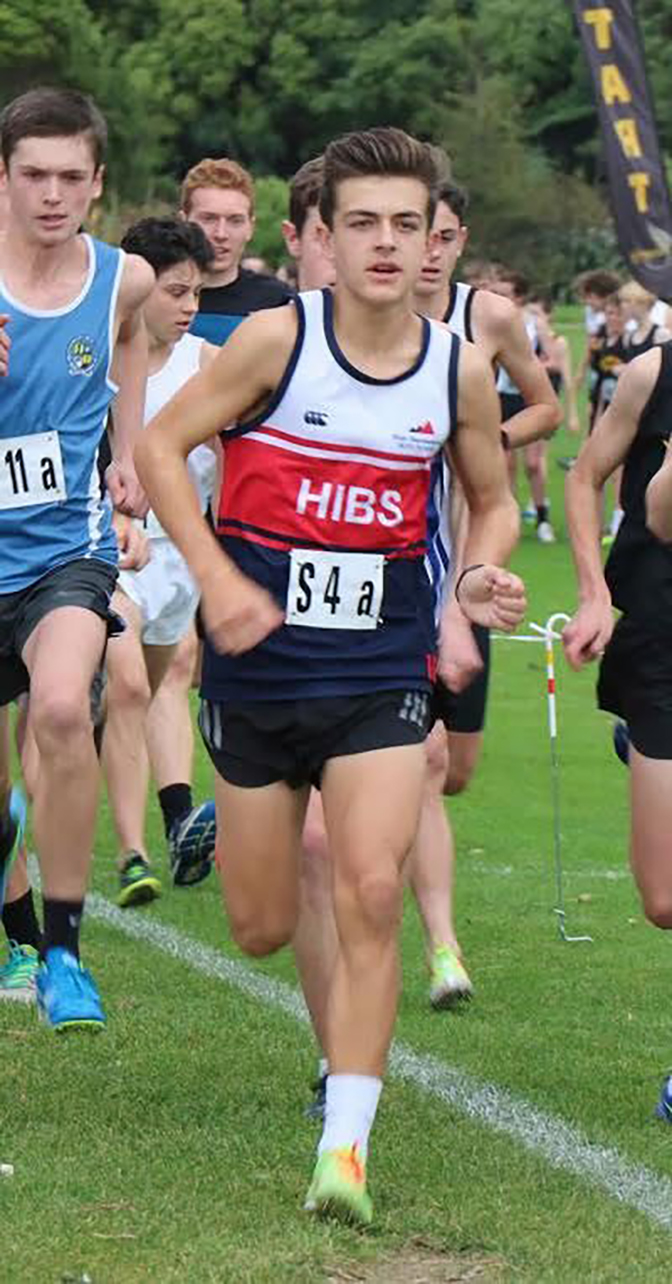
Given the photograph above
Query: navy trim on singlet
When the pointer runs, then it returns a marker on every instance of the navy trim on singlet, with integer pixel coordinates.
(468, 328)
(452, 300)
(230, 522)
(342, 360)
(452, 380)
(259, 420)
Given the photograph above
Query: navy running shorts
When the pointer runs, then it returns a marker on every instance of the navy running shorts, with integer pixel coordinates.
(257, 743)
(464, 711)
(84, 582)
(635, 683)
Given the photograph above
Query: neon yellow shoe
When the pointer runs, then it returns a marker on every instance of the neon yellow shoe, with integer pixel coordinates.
(137, 884)
(450, 983)
(338, 1187)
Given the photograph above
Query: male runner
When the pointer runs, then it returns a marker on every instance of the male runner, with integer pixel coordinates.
(218, 195)
(157, 602)
(304, 231)
(593, 289)
(494, 324)
(513, 286)
(635, 680)
(316, 602)
(70, 302)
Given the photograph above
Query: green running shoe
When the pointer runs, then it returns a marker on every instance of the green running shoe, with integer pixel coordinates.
(338, 1187)
(450, 983)
(17, 977)
(138, 884)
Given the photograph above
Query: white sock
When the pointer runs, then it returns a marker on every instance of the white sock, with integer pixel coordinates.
(352, 1101)
(322, 1067)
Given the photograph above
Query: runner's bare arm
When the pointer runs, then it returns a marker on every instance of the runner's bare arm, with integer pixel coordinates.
(587, 634)
(242, 378)
(489, 596)
(512, 349)
(659, 499)
(129, 371)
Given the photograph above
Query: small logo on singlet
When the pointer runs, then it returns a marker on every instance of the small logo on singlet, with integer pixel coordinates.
(81, 356)
(425, 430)
(316, 418)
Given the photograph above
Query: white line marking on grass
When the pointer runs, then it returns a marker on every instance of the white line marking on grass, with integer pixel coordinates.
(536, 871)
(544, 1135)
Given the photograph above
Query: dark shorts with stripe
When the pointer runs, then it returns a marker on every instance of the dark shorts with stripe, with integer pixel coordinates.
(84, 582)
(257, 743)
(464, 711)
(635, 683)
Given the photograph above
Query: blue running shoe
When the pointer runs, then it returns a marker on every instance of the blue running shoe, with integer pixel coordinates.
(664, 1107)
(67, 998)
(18, 812)
(622, 742)
(191, 844)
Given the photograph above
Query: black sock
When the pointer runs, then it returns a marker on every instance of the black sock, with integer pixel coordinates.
(62, 920)
(20, 921)
(7, 834)
(175, 801)
(542, 513)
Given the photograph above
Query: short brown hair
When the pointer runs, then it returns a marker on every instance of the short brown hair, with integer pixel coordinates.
(383, 151)
(600, 282)
(304, 191)
(224, 173)
(455, 197)
(509, 276)
(52, 113)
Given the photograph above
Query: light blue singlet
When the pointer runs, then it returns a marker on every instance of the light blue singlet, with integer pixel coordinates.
(53, 408)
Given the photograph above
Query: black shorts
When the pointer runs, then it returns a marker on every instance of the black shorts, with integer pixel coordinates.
(85, 582)
(465, 710)
(257, 743)
(635, 683)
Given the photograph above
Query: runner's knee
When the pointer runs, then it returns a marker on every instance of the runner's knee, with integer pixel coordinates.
(376, 894)
(59, 717)
(260, 936)
(128, 688)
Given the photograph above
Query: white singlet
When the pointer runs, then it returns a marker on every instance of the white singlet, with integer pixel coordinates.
(164, 589)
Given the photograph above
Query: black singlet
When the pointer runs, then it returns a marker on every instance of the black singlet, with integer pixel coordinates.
(639, 567)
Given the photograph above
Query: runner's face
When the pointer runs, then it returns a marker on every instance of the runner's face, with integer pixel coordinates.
(173, 303)
(314, 264)
(51, 183)
(379, 237)
(446, 242)
(224, 215)
(613, 319)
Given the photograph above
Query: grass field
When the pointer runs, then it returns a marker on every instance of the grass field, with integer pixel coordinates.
(515, 1141)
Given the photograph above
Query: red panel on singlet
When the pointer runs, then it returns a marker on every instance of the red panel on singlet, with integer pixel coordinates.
(281, 491)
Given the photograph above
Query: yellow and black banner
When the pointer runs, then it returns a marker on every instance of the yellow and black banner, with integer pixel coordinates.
(640, 196)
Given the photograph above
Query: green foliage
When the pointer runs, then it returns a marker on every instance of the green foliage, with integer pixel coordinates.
(502, 82)
(272, 201)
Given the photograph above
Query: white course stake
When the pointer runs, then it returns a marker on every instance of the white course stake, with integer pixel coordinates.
(549, 635)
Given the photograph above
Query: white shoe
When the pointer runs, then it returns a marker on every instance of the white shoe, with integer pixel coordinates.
(545, 533)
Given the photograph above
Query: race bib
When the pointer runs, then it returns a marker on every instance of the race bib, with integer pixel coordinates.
(31, 471)
(330, 590)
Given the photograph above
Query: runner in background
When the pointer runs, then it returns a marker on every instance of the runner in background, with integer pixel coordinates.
(218, 195)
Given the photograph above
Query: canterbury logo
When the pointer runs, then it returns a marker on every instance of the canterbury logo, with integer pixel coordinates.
(426, 429)
(316, 418)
